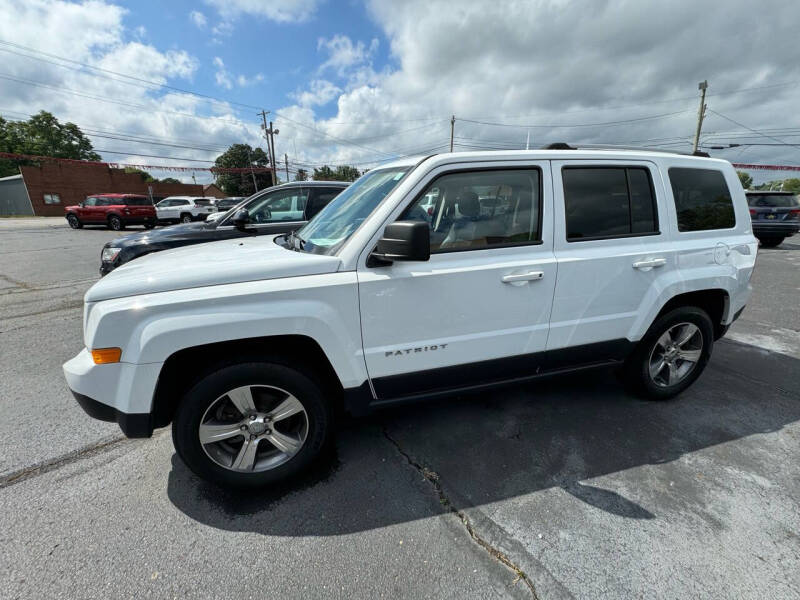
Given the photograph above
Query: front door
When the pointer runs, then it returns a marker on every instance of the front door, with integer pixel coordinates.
(478, 311)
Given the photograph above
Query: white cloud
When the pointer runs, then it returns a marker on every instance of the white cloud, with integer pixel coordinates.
(547, 63)
(320, 92)
(117, 105)
(226, 79)
(280, 11)
(198, 18)
(343, 54)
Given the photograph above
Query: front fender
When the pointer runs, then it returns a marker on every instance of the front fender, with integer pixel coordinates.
(150, 328)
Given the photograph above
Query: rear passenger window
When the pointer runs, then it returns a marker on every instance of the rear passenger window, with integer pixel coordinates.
(607, 202)
(137, 201)
(702, 199)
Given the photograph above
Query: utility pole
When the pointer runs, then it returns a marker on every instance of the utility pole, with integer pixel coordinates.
(702, 86)
(286, 162)
(270, 143)
(528, 141)
(252, 174)
(272, 133)
(452, 129)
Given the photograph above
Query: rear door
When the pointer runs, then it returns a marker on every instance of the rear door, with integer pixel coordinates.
(138, 207)
(611, 243)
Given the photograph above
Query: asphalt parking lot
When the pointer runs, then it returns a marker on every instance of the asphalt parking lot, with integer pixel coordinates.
(566, 487)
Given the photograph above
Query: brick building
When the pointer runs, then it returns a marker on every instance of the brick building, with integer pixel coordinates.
(52, 186)
(211, 190)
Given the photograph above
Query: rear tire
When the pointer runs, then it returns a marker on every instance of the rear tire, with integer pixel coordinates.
(149, 225)
(186, 218)
(672, 354)
(74, 222)
(253, 420)
(771, 242)
(115, 223)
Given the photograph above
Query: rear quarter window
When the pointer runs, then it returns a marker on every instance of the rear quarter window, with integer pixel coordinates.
(138, 201)
(702, 199)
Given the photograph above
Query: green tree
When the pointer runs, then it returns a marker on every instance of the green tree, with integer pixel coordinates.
(42, 135)
(341, 173)
(143, 174)
(791, 185)
(170, 180)
(745, 178)
(242, 156)
(302, 175)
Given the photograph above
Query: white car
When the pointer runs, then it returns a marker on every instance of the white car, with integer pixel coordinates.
(581, 259)
(184, 209)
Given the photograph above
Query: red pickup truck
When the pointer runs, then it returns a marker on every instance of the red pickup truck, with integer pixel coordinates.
(116, 211)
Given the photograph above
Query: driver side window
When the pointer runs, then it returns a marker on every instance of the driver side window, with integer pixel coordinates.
(475, 210)
(90, 202)
(283, 205)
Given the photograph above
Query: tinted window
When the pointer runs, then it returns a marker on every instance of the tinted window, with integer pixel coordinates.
(602, 202)
(103, 202)
(137, 201)
(203, 202)
(702, 199)
(321, 199)
(480, 209)
(773, 200)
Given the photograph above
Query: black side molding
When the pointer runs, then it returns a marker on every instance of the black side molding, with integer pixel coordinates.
(136, 425)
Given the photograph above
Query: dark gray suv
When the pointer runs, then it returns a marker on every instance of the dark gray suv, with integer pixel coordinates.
(775, 216)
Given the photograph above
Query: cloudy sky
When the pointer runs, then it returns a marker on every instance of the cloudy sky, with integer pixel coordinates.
(360, 82)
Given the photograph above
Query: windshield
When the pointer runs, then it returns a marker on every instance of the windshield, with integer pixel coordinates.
(773, 200)
(326, 232)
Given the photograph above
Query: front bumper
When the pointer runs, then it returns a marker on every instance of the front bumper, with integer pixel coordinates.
(120, 392)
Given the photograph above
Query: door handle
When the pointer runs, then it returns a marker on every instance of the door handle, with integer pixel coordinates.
(529, 276)
(650, 263)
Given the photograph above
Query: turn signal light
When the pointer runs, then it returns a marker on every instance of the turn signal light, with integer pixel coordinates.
(103, 356)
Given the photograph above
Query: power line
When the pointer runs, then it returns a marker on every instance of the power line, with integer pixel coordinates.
(751, 129)
(557, 126)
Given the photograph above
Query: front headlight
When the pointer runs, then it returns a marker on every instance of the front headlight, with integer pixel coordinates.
(110, 254)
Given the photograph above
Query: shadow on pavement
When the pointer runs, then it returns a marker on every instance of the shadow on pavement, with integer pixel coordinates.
(552, 433)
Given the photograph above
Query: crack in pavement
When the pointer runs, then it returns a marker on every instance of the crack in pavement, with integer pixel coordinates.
(52, 464)
(433, 478)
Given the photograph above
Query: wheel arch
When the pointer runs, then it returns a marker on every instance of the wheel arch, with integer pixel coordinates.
(185, 367)
(715, 302)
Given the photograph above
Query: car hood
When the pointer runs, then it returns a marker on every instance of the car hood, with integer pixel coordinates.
(216, 263)
(174, 232)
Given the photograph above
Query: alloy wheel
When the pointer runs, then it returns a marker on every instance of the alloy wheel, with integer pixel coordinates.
(253, 428)
(675, 354)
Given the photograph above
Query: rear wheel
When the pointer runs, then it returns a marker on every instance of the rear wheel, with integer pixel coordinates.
(74, 222)
(771, 242)
(251, 424)
(672, 354)
(115, 223)
(186, 218)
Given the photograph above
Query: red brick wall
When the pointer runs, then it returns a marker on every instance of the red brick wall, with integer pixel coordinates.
(74, 182)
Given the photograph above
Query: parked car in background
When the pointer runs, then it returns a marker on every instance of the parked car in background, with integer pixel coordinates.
(184, 209)
(634, 260)
(115, 211)
(775, 216)
(224, 205)
(275, 210)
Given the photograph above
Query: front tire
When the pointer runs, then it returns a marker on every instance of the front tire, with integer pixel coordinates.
(672, 354)
(252, 424)
(115, 223)
(74, 222)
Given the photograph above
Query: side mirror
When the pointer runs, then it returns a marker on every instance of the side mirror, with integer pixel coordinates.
(241, 219)
(403, 240)
(80, 204)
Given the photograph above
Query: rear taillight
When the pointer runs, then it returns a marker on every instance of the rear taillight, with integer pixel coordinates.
(753, 213)
(794, 213)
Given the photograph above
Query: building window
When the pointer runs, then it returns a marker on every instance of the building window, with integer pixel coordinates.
(52, 199)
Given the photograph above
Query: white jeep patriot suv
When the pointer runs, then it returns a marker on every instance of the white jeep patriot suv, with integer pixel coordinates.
(425, 277)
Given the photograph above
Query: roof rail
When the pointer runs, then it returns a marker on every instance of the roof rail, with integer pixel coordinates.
(565, 146)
